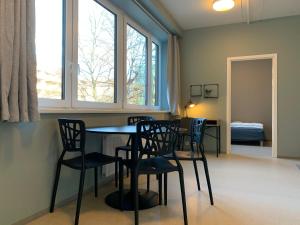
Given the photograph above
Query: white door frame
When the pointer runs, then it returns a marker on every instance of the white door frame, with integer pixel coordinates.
(273, 57)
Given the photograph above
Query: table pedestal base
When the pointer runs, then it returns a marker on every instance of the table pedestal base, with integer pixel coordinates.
(146, 200)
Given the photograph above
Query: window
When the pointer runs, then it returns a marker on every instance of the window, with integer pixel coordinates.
(90, 55)
(136, 80)
(96, 53)
(49, 49)
(155, 74)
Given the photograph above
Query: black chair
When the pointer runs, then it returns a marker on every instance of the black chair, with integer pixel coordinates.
(73, 139)
(132, 120)
(158, 139)
(196, 133)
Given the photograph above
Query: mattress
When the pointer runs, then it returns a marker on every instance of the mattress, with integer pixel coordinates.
(247, 131)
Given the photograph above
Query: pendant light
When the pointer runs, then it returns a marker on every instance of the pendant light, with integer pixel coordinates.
(223, 5)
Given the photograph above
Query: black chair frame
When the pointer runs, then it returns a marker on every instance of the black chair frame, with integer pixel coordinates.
(197, 129)
(157, 139)
(132, 120)
(73, 138)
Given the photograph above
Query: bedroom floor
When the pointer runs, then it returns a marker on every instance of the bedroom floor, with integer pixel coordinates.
(250, 150)
(249, 187)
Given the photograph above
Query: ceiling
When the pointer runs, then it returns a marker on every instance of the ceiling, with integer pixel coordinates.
(191, 14)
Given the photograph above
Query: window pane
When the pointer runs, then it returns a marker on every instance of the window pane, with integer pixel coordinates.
(136, 67)
(154, 74)
(96, 53)
(49, 48)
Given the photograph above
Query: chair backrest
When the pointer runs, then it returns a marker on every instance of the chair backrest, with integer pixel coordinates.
(197, 130)
(72, 134)
(157, 138)
(133, 120)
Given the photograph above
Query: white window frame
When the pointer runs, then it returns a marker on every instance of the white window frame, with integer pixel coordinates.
(150, 39)
(155, 41)
(88, 104)
(48, 103)
(70, 101)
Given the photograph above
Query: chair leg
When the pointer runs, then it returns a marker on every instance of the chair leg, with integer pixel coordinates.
(166, 188)
(198, 148)
(148, 182)
(148, 178)
(55, 185)
(121, 190)
(182, 142)
(207, 175)
(196, 173)
(96, 181)
(179, 142)
(127, 169)
(116, 168)
(79, 198)
(136, 200)
(160, 189)
(182, 189)
(208, 181)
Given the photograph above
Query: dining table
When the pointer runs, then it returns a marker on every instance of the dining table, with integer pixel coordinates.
(147, 199)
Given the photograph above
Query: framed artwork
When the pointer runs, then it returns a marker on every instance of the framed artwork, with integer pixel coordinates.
(196, 90)
(211, 90)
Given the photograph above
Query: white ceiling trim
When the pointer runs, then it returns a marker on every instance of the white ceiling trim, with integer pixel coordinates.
(191, 14)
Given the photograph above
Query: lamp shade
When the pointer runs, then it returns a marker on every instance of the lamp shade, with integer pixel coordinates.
(223, 5)
(190, 104)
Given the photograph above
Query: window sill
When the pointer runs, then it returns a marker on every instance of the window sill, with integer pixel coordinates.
(98, 111)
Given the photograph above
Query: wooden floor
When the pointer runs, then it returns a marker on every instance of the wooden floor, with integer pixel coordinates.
(250, 188)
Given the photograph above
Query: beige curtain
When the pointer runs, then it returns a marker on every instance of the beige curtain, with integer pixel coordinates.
(173, 72)
(18, 100)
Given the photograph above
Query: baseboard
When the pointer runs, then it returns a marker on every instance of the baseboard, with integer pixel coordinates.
(288, 157)
(62, 203)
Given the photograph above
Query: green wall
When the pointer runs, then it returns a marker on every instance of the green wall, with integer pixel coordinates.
(204, 54)
(28, 157)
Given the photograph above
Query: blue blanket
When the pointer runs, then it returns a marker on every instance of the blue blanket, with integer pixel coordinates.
(247, 134)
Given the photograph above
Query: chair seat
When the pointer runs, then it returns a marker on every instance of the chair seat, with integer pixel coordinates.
(155, 165)
(124, 148)
(92, 160)
(187, 155)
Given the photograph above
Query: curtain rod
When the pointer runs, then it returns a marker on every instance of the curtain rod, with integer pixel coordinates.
(152, 17)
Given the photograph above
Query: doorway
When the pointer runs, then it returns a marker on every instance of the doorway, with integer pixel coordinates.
(230, 62)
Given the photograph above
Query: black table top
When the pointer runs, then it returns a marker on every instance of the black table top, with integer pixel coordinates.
(119, 130)
(113, 130)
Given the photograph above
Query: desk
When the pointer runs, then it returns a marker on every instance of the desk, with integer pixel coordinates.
(215, 124)
(146, 199)
(210, 124)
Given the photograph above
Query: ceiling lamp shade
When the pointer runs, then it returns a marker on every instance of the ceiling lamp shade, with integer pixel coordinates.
(223, 5)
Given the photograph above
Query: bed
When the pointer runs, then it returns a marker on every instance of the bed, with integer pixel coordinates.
(247, 132)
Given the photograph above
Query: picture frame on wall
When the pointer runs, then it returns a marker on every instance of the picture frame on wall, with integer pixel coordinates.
(196, 90)
(211, 90)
